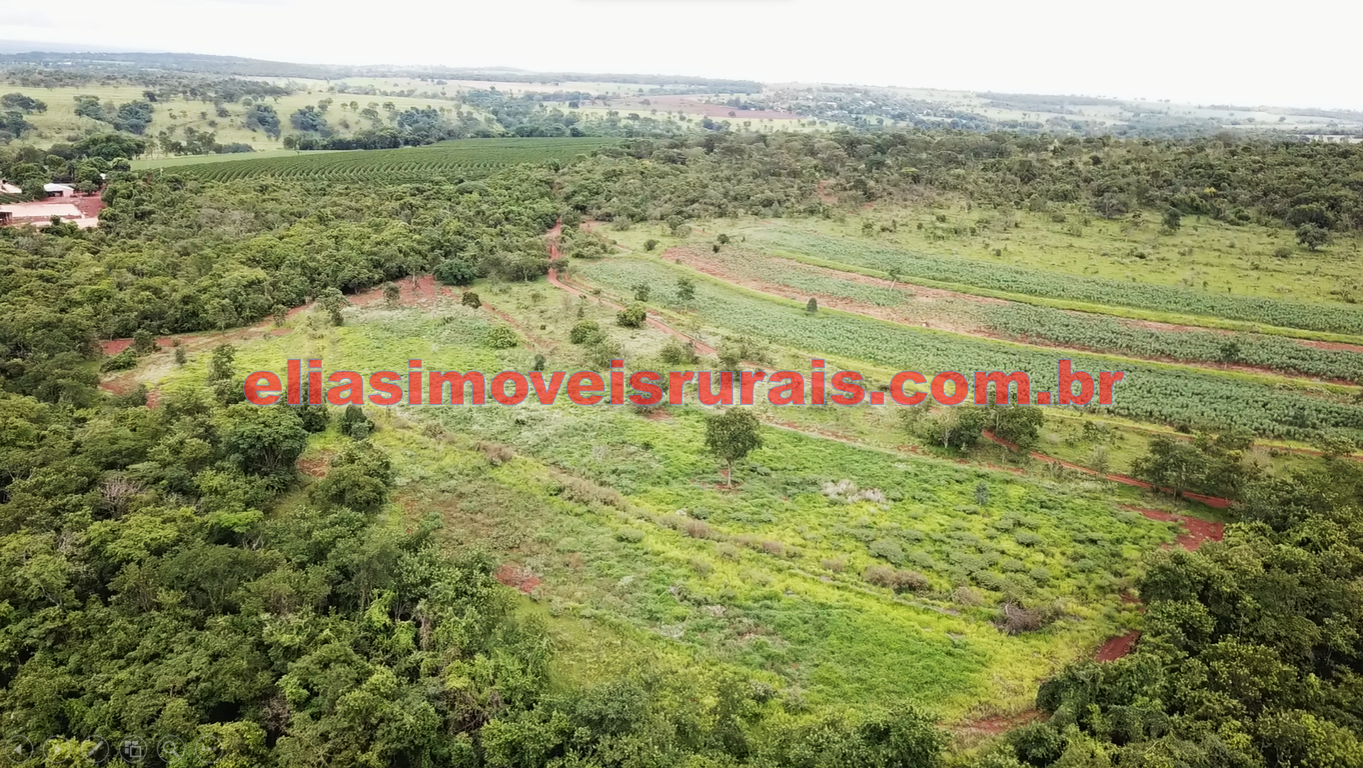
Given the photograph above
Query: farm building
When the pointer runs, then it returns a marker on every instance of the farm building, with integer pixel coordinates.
(59, 190)
(37, 213)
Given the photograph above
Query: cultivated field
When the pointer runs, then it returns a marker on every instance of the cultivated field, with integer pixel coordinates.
(464, 159)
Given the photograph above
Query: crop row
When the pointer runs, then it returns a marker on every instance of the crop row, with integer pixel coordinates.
(466, 159)
(1045, 325)
(1073, 329)
(1334, 318)
(1147, 393)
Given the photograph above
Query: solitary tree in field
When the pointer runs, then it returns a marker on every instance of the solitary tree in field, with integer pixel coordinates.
(813, 306)
(332, 300)
(1312, 236)
(732, 435)
(1172, 219)
(391, 294)
(686, 289)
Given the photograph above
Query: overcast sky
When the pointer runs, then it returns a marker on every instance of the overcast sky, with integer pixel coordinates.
(1196, 51)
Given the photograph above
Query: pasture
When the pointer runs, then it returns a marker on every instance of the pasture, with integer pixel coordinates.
(60, 119)
(619, 523)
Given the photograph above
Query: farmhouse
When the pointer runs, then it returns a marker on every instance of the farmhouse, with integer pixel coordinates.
(58, 190)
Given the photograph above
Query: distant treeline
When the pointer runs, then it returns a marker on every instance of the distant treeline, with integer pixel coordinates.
(235, 65)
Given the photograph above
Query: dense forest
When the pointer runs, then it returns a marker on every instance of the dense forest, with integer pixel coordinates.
(146, 585)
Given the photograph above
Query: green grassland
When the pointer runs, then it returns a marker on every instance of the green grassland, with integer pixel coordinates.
(60, 120)
(642, 552)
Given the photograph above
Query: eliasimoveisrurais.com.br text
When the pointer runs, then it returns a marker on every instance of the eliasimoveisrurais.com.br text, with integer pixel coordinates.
(307, 382)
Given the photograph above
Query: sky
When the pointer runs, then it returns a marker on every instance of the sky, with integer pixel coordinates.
(1189, 51)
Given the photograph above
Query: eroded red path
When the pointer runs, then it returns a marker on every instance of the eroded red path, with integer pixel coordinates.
(558, 282)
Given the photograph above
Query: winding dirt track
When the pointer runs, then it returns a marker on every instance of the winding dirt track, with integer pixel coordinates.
(554, 280)
(1211, 501)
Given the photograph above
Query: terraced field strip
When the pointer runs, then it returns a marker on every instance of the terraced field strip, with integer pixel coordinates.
(1141, 301)
(1038, 326)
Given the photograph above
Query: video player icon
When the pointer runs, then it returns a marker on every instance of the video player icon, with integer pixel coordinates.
(17, 751)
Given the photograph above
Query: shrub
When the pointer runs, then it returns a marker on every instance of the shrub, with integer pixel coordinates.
(1015, 619)
(454, 272)
(629, 535)
(470, 299)
(1027, 538)
(773, 547)
(584, 331)
(697, 529)
(502, 337)
(496, 453)
(1012, 565)
(120, 362)
(650, 244)
(1040, 575)
(678, 352)
(728, 551)
(897, 580)
(887, 550)
(633, 316)
(836, 565)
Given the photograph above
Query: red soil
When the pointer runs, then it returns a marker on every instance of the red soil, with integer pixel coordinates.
(1196, 531)
(513, 575)
(1117, 647)
(1211, 501)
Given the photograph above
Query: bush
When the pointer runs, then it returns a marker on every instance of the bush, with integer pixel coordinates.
(454, 272)
(888, 550)
(584, 331)
(120, 362)
(678, 352)
(697, 529)
(897, 580)
(470, 299)
(632, 317)
(629, 535)
(835, 565)
(650, 244)
(502, 337)
(1027, 538)
(354, 423)
(496, 453)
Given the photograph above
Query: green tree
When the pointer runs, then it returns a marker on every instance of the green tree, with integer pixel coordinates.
(1312, 236)
(332, 301)
(812, 306)
(1173, 219)
(220, 365)
(732, 435)
(686, 289)
(633, 316)
(471, 300)
(391, 294)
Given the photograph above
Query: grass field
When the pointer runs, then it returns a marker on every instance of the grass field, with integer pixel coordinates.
(641, 551)
(60, 120)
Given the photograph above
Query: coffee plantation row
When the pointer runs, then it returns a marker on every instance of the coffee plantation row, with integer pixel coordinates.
(464, 159)
(1148, 392)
